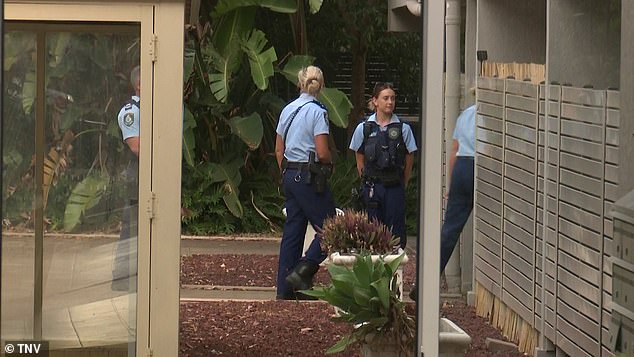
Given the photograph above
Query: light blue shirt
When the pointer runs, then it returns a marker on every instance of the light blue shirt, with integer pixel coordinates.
(464, 132)
(408, 136)
(128, 119)
(310, 121)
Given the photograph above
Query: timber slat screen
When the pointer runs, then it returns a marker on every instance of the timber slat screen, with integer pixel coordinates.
(563, 160)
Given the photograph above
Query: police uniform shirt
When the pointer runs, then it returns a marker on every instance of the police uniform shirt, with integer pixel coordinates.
(129, 119)
(464, 132)
(408, 136)
(310, 121)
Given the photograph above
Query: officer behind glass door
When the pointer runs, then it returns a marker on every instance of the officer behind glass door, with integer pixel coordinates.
(384, 148)
(302, 135)
(125, 259)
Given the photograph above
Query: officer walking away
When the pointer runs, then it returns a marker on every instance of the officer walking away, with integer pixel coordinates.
(301, 149)
(384, 148)
(460, 195)
(460, 183)
(125, 264)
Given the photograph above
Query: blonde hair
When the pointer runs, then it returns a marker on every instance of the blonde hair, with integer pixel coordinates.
(310, 80)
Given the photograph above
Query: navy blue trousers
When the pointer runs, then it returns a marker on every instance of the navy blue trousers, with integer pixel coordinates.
(459, 207)
(387, 204)
(303, 205)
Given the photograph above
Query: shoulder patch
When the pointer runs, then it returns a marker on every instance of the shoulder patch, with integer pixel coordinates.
(128, 119)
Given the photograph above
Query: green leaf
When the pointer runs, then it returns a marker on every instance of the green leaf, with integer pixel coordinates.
(231, 199)
(344, 283)
(229, 175)
(189, 141)
(394, 264)
(382, 287)
(249, 129)
(261, 60)
(188, 63)
(84, 196)
(362, 296)
(219, 85)
(28, 92)
(315, 5)
(338, 106)
(282, 6)
(294, 65)
(341, 345)
(231, 28)
(363, 268)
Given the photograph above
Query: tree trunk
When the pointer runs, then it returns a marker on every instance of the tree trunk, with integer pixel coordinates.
(357, 95)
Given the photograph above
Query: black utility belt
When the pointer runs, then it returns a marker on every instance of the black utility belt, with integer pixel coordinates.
(295, 165)
(385, 181)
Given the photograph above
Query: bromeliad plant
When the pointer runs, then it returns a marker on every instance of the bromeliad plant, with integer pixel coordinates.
(367, 296)
(353, 232)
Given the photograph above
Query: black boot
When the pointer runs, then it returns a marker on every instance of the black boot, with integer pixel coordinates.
(413, 293)
(301, 278)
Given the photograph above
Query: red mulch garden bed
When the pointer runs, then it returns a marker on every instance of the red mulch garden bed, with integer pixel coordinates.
(283, 328)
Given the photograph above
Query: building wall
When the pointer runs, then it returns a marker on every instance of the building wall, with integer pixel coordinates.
(627, 100)
(512, 31)
(584, 43)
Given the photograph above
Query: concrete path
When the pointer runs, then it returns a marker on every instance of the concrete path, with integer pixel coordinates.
(80, 309)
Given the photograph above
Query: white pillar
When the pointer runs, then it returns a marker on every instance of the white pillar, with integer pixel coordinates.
(452, 110)
(431, 179)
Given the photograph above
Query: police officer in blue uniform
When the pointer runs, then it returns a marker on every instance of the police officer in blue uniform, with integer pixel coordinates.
(125, 260)
(302, 153)
(460, 183)
(384, 148)
(460, 194)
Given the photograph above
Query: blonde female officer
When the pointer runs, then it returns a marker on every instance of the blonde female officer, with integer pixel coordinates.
(301, 149)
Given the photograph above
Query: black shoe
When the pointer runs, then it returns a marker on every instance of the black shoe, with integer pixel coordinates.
(295, 296)
(301, 278)
(413, 293)
(288, 296)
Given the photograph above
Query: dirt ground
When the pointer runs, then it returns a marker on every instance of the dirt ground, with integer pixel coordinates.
(283, 328)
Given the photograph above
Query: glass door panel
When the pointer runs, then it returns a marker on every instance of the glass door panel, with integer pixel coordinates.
(18, 185)
(83, 226)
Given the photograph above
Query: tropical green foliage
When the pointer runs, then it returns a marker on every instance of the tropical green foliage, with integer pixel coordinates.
(86, 82)
(231, 115)
(367, 296)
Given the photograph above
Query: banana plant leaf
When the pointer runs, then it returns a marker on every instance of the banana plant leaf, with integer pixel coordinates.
(229, 175)
(56, 157)
(84, 196)
(315, 5)
(249, 129)
(261, 60)
(282, 6)
(231, 28)
(28, 92)
(231, 199)
(189, 142)
(188, 63)
(338, 105)
(294, 65)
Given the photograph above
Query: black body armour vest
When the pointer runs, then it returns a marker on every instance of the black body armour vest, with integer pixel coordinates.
(384, 152)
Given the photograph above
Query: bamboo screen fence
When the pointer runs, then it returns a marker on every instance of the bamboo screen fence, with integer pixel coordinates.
(532, 72)
(559, 155)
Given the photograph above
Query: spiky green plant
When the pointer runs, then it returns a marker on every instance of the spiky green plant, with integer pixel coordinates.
(354, 232)
(367, 296)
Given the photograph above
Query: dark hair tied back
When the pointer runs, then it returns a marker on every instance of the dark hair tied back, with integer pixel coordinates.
(380, 86)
